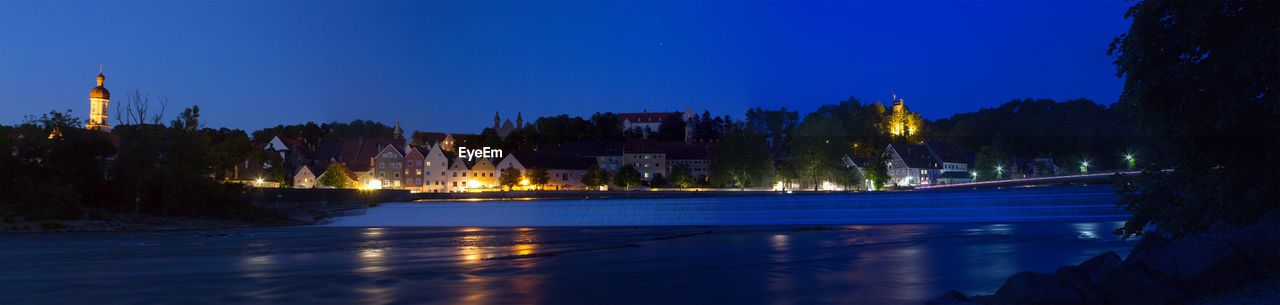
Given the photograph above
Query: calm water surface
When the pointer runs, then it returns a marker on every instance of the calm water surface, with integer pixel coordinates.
(886, 263)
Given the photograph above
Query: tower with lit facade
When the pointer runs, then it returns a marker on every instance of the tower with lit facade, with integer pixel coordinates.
(901, 121)
(99, 97)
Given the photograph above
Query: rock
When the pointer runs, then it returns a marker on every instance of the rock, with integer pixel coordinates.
(1077, 278)
(951, 298)
(1270, 217)
(982, 299)
(1035, 288)
(1222, 228)
(1259, 243)
(1098, 266)
(1198, 263)
(1127, 284)
(1150, 240)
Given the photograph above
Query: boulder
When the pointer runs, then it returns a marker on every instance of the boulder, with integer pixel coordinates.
(1098, 266)
(1259, 243)
(1222, 228)
(1077, 278)
(1198, 263)
(952, 298)
(1035, 288)
(1270, 217)
(1150, 240)
(1127, 284)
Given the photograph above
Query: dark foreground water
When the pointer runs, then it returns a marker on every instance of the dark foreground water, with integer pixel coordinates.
(884, 263)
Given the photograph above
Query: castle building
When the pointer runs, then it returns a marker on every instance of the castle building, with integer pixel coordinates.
(901, 121)
(98, 99)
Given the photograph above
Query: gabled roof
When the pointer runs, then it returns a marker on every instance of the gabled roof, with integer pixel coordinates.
(687, 151)
(645, 117)
(948, 153)
(915, 156)
(637, 146)
(415, 150)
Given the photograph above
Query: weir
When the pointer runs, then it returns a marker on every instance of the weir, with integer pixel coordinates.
(979, 205)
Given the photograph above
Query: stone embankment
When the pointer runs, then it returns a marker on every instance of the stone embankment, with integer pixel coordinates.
(1156, 271)
(309, 206)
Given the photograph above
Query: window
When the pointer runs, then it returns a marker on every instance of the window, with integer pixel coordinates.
(419, 172)
(395, 175)
(382, 174)
(455, 183)
(464, 174)
(428, 163)
(382, 165)
(455, 174)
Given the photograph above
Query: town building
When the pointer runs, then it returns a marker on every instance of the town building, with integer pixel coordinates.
(564, 172)
(647, 156)
(932, 162)
(506, 127)
(648, 122)
(695, 155)
(306, 177)
(608, 154)
(99, 101)
(414, 160)
(435, 170)
(388, 168)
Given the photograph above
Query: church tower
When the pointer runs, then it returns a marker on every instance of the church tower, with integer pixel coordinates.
(98, 99)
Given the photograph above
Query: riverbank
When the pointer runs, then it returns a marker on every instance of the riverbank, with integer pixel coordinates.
(1227, 265)
(136, 223)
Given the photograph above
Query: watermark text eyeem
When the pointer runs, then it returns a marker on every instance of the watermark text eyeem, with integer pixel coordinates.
(484, 152)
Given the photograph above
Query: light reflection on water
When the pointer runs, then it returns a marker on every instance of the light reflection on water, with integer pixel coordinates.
(846, 264)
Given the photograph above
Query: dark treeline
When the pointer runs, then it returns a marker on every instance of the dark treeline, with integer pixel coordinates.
(1072, 132)
(59, 170)
(311, 133)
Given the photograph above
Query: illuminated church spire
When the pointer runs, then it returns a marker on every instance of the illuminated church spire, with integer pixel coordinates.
(99, 98)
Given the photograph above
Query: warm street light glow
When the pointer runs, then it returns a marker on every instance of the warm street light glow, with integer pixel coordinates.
(975, 175)
(259, 181)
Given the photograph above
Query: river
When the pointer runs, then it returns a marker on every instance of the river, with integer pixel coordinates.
(401, 263)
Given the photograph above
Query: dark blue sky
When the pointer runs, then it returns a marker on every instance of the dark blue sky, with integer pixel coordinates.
(447, 66)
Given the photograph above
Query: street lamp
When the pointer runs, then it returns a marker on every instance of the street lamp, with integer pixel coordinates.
(999, 172)
(975, 176)
(1130, 159)
(1084, 167)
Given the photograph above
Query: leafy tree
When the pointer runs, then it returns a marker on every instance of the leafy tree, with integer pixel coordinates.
(657, 181)
(672, 128)
(786, 173)
(595, 177)
(741, 159)
(848, 178)
(538, 177)
(1202, 77)
(627, 176)
(509, 178)
(877, 169)
(818, 145)
(681, 176)
(991, 164)
(334, 176)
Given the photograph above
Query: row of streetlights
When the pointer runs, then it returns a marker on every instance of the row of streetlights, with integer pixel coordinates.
(1084, 167)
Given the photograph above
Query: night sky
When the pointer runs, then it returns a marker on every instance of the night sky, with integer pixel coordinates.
(447, 66)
